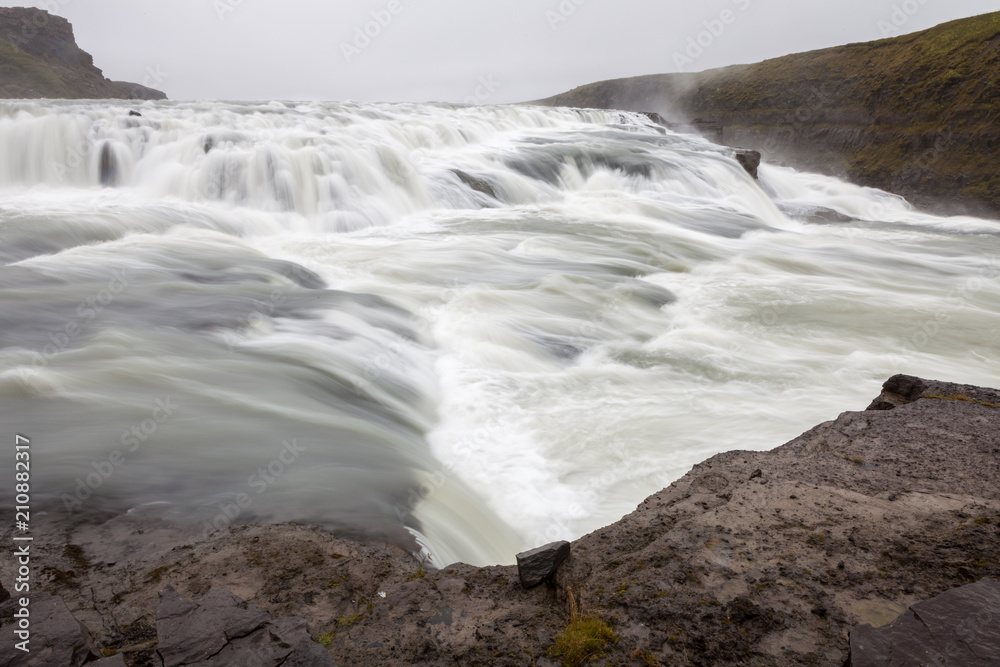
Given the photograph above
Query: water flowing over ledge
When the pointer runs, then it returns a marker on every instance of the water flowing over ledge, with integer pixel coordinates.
(471, 329)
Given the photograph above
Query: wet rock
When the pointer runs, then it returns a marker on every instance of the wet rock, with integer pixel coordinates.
(657, 118)
(749, 160)
(57, 638)
(898, 390)
(222, 630)
(958, 627)
(537, 565)
(189, 632)
(133, 112)
(113, 661)
(478, 184)
(4, 595)
(108, 166)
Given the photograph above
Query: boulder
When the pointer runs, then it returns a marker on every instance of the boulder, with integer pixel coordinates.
(749, 160)
(898, 390)
(958, 627)
(538, 565)
(57, 638)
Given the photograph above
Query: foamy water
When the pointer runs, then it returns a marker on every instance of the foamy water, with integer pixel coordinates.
(484, 327)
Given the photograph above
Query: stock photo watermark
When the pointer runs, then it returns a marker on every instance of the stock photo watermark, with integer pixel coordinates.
(893, 24)
(715, 28)
(259, 482)
(86, 311)
(371, 30)
(562, 12)
(22, 540)
(132, 438)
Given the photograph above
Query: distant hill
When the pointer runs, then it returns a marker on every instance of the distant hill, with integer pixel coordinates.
(918, 115)
(39, 58)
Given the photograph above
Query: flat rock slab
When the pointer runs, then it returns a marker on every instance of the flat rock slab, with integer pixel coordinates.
(960, 627)
(57, 638)
(222, 630)
(537, 565)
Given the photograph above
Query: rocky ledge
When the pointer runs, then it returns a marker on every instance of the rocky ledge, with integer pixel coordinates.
(872, 539)
(39, 58)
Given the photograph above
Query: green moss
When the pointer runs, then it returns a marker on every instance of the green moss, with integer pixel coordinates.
(961, 397)
(348, 621)
(327, 639)
(23, 75)
(581, 641)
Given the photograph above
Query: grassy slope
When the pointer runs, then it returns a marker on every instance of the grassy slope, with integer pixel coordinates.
(23, 75)
(924, 107)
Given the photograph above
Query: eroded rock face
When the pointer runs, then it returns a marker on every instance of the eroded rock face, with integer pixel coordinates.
(40, 58)
(958, 627)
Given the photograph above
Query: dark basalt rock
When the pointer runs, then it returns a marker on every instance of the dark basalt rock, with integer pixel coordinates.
(749, 160)
(133, 112)
(114, 661)
(108, 166)
(898, 390)
(57, 638)
(538, 565)
(478, 184)
(222, 630)
(958, 627)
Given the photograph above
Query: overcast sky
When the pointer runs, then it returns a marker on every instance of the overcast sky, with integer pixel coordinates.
(458, 50)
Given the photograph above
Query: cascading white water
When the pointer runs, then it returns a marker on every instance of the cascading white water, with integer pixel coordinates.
(493, 327)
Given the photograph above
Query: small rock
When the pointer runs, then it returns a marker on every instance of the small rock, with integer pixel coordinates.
(756, 473)
(133, 112)
(749, 160)
(537, 565)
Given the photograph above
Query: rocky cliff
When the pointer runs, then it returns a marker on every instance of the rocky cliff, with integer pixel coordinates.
(787, 557)
(916, 115)
(39, 58)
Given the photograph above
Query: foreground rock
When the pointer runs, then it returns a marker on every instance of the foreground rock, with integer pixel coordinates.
(958, 627)
(39, 58)
(752, 558)
(222, 629)
(57, 639)
(541, 564)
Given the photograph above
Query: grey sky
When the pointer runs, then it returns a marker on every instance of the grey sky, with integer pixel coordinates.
(452, 50)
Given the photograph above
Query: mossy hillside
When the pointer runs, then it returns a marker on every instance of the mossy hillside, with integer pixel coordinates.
(23, 75)
(916, 114)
